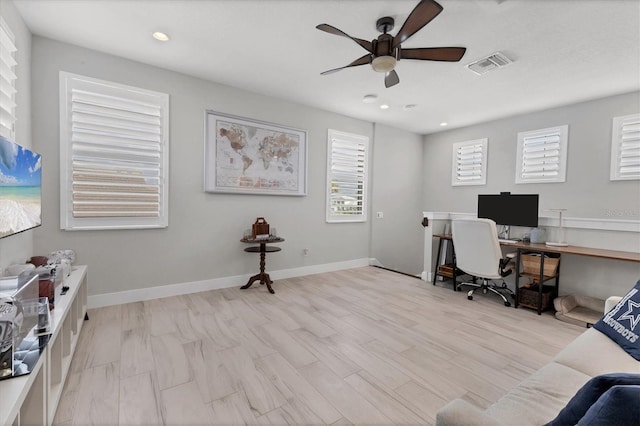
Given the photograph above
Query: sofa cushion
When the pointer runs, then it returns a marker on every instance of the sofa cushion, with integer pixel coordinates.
(593, 353)
(622, 323)
(539, 398)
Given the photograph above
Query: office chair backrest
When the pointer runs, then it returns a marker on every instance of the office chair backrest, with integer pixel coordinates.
(476, 245)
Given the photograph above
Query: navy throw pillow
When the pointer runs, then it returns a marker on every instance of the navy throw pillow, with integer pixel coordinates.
(597, 392)
(622, 323)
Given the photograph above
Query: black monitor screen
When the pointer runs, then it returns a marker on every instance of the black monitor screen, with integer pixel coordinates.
(510, 209)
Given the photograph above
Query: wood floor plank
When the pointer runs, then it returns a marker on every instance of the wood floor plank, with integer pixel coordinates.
(172, 367)
(292, 385)
(212, 377)
(233, 409)
(326, 351)
(140, 400)
(98, 396)
(105, 345)
(350, 403)
(68, 399)
(136, 353)
(422, 400)
(133, 316)
(357, 346)
(378, 367)
(181, 405)
(290, 348)
(262, 395)
(384, 401)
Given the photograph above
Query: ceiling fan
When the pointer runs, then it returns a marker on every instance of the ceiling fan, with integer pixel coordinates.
(385, 51)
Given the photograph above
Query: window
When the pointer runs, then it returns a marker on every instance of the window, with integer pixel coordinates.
(625, 148)
(114, 155)
(469, 163)
(347, 163)
(7, 81)
(542, 155)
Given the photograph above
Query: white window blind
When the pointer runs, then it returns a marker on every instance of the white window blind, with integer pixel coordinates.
(469, 163)
(7, 81)
(542, 155)
(114, 155)
(347, 163)
(625, 148)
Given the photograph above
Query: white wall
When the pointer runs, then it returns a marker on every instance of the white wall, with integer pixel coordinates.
(202, 240)
(18, 248)
(397, 238)
(587, 192)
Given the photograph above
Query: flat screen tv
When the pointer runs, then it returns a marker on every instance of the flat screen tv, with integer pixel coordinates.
(509, 209)
(20, 188)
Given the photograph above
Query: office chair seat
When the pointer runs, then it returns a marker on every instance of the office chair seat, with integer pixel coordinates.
(478, 254)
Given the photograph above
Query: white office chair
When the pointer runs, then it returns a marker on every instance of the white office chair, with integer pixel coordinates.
(477, 253)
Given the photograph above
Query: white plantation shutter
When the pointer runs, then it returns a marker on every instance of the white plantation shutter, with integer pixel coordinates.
(114, 155)
(625, 148)
(347, 163)
(7, 82)
(469, 163)
(542, 155)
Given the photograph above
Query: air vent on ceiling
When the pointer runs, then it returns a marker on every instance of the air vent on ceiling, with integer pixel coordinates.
(490, 63)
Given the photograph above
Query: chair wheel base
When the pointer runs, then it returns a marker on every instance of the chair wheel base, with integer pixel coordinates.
(507, 304)
(470, 297)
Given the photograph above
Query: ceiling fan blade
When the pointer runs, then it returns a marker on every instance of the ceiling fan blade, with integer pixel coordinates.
(448, 54)
(333, 30)
(363, 60)
(420, 16)
(391, 79)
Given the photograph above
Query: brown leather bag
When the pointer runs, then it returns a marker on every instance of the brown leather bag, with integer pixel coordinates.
(260, 228)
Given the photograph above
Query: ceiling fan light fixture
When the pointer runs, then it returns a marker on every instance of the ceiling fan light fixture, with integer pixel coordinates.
(383, 63)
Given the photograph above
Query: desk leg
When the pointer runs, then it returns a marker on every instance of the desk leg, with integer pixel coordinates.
(455, 267)
(517, 280)
(540, 283)
(435, 273)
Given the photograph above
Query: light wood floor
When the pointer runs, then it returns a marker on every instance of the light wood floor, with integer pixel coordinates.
(362, 346)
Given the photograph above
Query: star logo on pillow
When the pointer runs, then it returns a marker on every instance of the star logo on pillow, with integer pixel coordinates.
(633, 319)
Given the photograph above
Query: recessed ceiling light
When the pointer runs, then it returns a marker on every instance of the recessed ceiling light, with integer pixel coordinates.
(369, 99)
(384, 106)
(160, 36)
(407, 107)
(444, 123)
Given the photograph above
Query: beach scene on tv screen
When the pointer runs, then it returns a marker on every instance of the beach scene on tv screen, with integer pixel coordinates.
(20, 185)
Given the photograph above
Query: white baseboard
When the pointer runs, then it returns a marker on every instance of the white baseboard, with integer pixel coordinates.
(138, 295)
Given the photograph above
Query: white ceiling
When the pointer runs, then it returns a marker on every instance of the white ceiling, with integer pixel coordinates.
(565, 51)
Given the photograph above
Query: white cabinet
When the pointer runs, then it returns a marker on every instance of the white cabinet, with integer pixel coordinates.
(33, 399)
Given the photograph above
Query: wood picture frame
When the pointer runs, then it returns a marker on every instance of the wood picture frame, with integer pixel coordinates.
(246, 156)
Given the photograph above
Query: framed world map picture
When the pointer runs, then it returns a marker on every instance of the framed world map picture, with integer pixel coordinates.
(245, 156)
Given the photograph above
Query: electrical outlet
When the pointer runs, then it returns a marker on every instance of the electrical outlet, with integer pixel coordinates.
(380, 215)
(305, 251)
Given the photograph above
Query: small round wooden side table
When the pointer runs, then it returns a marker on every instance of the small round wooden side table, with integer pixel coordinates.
(263, 249)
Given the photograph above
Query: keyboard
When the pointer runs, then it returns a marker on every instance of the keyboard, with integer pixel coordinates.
(503, 241)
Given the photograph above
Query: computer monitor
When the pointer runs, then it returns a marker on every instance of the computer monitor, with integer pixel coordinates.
(509, 209)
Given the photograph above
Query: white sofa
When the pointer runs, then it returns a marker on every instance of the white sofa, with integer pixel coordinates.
(538, 399)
